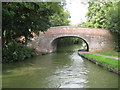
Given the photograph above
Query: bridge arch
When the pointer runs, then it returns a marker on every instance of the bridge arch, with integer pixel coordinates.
(53, 42)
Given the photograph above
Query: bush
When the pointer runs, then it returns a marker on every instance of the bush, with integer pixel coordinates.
(14, 51)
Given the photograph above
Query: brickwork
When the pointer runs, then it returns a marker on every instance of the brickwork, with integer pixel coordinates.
(97, 39)
(78, 30)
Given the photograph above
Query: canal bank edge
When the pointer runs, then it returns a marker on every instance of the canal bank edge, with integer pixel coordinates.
(111, 69)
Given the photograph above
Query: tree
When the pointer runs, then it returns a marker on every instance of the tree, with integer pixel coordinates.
(19, 18)
(96, 16)
(60, 18)
(113, 22)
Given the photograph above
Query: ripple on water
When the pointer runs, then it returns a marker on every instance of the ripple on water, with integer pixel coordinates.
(57, 70)
(72, 86)
(69, 78)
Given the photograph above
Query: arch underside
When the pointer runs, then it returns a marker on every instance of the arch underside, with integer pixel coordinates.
(54, 41)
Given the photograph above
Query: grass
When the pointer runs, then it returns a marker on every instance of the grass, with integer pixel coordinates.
(108, 61)
(109, 53)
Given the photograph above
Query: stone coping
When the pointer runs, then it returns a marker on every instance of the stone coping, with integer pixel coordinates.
(76, 27)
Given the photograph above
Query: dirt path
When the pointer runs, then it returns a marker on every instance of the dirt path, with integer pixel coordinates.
(118, 58)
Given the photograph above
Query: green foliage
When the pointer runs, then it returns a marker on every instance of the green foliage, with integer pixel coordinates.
(96, 14)
(60, 19)
(15, 52)
(19, 17)
(113, 18)
(113, 23)
(108, 61)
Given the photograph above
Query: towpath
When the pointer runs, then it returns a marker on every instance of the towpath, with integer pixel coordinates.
(118, 58)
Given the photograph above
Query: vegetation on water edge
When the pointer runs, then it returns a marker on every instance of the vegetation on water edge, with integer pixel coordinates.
(109, 53)
(14, 51)
(105, 60)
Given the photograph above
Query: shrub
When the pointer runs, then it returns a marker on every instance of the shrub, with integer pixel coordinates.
(14, 51)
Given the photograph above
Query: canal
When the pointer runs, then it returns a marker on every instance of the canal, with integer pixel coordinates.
(62, 69)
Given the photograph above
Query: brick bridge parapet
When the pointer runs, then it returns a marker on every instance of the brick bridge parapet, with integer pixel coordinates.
(97, 39)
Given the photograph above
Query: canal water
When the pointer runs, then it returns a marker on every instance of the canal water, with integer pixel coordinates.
(62, 69)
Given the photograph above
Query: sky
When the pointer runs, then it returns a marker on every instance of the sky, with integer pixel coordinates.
(77, 11)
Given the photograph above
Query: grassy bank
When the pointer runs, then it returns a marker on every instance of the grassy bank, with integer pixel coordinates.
(105, 60)
(109, 53)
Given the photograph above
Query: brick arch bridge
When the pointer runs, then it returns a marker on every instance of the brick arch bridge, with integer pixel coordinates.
(97, 39)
